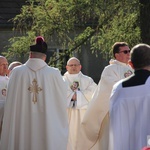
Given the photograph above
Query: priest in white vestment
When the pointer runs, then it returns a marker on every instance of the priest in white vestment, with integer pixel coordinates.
(95, 123)
(3, 86)
(35, 116)
(80, 90)
(130, 104)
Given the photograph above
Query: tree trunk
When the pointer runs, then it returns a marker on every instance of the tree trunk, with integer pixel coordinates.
(145, 20)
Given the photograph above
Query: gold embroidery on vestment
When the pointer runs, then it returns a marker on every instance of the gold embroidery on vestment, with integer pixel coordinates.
(35, 90)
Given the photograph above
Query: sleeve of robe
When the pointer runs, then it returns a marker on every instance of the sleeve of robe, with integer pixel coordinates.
(85, 93)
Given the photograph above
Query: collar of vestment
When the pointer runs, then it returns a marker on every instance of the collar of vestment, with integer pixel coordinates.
(67, 73)
(72, 77)
(35, 63)
(114, 61)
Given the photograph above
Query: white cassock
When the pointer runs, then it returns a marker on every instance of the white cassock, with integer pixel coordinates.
(95, 123)
(3, 88)
(75, 114)
(130, 113)
(35, 116)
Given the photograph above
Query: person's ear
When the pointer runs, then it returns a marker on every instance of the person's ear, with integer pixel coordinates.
(116, 55)
(80, 67)
(66, 67)
(130, 63)
(44, 58)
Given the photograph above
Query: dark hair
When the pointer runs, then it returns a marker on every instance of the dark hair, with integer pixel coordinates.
(140, 56)
(116, 46)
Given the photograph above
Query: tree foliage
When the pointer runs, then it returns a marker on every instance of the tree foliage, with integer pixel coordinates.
(73, 23)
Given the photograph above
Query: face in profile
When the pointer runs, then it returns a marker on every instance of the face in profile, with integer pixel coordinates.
(123, 55)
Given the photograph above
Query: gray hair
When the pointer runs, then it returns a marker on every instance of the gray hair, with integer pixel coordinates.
(73, 58)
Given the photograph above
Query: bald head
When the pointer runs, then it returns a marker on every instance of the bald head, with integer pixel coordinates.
(12, 65)
(73, 58)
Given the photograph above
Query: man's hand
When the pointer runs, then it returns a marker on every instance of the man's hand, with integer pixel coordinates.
(74, 97)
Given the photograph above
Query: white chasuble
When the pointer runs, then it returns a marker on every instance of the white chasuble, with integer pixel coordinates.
(35, 116)
(95, 123)
(84, 87)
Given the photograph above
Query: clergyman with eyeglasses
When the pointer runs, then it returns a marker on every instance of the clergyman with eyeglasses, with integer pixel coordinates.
(80, 90)
(95, 124)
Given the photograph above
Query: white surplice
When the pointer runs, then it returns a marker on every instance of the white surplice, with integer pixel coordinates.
(75, 114)
(95, 123)
(130, 116)
(35, 116)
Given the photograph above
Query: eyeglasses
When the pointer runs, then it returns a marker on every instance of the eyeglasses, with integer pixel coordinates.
(73, 65)
(125, 51)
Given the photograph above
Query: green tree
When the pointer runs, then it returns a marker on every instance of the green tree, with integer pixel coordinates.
(73, 23)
